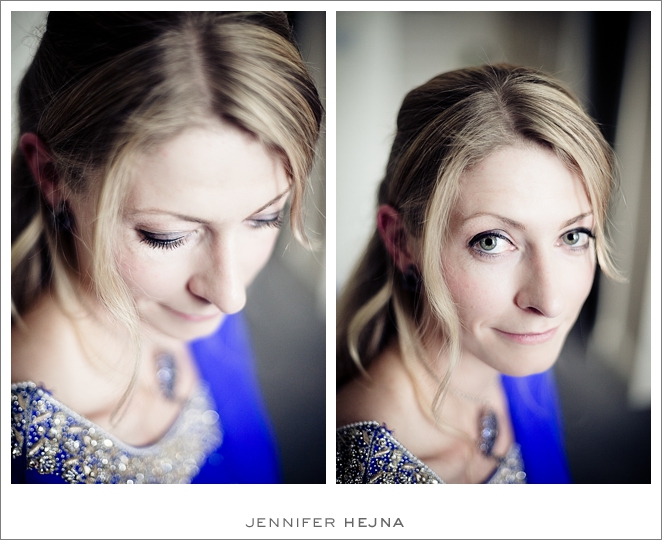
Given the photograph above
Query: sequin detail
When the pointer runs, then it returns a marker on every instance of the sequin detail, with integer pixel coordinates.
(367, 453)
(56, 440)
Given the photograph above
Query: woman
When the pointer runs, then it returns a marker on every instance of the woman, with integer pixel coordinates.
(158, 154)
(491, 216)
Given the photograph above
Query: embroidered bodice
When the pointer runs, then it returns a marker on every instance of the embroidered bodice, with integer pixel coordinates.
(367, 453)
(53, 439)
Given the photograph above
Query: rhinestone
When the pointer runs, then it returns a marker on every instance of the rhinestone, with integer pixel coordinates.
(79, 451)
(210, 417)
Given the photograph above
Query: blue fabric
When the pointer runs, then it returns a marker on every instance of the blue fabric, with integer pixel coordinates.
(247, 453)
(21, 475)
(535, 413)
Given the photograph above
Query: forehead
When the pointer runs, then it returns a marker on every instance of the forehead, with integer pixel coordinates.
(526, 184)
(208, 172)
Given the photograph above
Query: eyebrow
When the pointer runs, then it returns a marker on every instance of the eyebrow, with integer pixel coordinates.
(184, 217)
(521, 226)
(272, 201)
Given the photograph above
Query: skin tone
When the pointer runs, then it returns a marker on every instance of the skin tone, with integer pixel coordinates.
(519, 266)
(200, 221)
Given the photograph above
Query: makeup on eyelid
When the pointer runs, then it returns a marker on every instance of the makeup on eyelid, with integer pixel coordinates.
(161, 240)
(272, 220)
(201, 220)
(484, 244)
(521, 259)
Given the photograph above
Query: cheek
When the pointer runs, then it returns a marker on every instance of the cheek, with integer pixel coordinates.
(146, 278)
(479, 292)
(255, 254)
(158, 279)
(579, 281)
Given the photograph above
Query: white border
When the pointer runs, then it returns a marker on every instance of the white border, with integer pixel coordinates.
(576, 511)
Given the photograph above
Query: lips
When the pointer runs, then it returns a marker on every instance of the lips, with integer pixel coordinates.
(193, 317)
(532, 338)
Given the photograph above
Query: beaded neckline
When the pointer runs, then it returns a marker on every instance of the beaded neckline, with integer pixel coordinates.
(199, 392)
(56, 440)
(509, 470)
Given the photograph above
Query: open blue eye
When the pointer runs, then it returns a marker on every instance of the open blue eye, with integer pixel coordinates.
(490, 243)
(577, 238)
(571, 238)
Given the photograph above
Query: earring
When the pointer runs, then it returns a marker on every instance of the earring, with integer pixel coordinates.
(62, 219)
(412, 279)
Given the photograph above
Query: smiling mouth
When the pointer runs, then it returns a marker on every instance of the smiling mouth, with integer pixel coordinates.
(528, 339)
(192, 318)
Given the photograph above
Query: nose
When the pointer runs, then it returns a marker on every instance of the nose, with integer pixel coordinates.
(218, 278)
(540, 289)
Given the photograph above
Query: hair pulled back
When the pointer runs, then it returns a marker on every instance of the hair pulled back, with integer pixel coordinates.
(104, 86)
(445, 127)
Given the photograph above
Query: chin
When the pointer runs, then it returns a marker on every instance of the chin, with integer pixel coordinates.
(520, 360)
(187, 331)
(528, 362)
(526, 370)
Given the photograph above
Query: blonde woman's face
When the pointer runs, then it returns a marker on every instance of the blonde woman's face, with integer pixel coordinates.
(201, 220)
(521, 259)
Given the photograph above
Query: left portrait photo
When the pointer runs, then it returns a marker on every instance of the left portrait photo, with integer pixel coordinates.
(168, 247)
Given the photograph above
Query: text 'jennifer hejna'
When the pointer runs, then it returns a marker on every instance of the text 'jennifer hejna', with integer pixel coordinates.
(324, 522)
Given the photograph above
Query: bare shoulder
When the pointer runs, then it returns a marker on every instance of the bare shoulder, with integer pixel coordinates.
(386, 396)
(46, 350)
(35, 343)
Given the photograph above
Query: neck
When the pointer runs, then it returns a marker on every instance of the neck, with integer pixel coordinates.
(470, 375)
(473, 392)
(111, 346)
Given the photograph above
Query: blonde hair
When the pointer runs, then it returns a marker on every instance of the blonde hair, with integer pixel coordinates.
(445, 127)
(104, 87)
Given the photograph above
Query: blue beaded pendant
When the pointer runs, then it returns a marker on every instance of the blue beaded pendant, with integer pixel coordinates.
(488, 431)
(166, 374)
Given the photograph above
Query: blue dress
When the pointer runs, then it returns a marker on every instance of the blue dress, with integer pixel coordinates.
(535, 413)
(222, 434)
(368, 453)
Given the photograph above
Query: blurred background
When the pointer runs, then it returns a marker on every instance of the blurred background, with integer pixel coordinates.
(286, 307)
(605, 58)
(286, 303)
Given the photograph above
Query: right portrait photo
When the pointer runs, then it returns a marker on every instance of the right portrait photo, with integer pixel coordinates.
(493, 282)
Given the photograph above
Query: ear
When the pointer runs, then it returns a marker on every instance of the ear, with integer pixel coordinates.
(38, 158)
(395, 237)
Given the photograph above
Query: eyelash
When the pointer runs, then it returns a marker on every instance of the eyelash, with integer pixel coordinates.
(488, 234)
(276, 222)
(153, 242)
(173, 243)
(496, 234)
